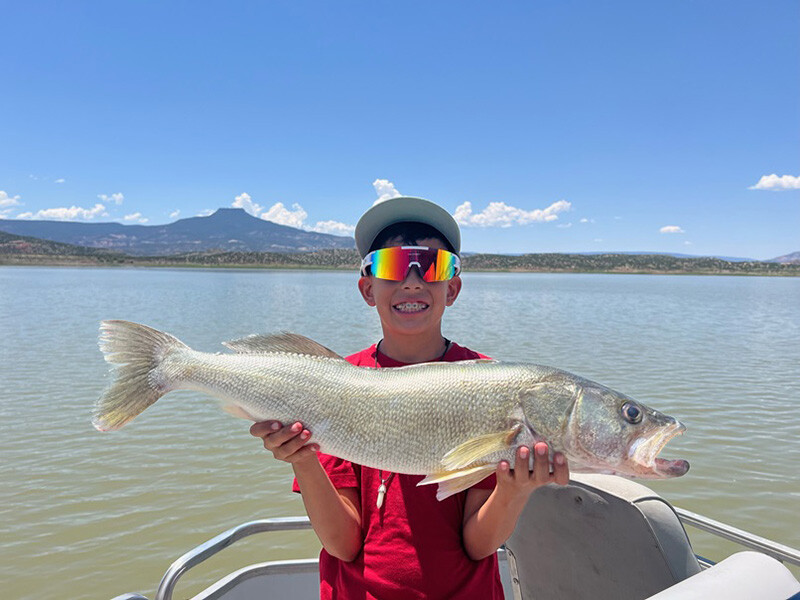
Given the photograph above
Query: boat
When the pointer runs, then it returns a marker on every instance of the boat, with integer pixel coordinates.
(600, 537)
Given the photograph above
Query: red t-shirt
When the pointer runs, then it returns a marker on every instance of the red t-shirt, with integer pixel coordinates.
(413, 546)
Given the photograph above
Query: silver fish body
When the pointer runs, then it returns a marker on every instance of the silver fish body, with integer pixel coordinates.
(450, 421)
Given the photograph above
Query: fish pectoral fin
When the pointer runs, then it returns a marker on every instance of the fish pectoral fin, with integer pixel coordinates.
(292, 343)
(453, 482)
(479, 447)
(238, 411)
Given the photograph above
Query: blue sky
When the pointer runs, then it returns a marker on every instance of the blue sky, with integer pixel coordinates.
(565, 125)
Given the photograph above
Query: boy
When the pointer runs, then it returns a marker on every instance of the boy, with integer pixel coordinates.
(382, 536)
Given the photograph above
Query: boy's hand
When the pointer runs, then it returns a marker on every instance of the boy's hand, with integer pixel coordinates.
(521, 481)
(288, 443)
(490, 517)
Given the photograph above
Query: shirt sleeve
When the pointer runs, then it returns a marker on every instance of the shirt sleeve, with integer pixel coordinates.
(342, 473)
(486, 484)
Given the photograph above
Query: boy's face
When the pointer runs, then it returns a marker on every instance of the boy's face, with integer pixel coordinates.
(411, 306)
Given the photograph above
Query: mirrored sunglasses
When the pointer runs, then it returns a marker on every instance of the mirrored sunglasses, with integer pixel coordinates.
(393, 263)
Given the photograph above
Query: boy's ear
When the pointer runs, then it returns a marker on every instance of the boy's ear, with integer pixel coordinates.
(365, 287)
(453, 289)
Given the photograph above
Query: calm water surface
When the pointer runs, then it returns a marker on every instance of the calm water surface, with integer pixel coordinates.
(90, 515)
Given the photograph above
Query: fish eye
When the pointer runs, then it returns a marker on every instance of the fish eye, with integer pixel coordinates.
(632, 413)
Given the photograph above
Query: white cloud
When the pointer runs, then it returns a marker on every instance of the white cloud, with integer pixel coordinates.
(585, 220)
(291, 217)
(137, 216)
(115, 198)
(775, 183)
(281, 215)
(244, 201)
(67, 214)
(334, 228)
(174, 214)
(296, 218)
(500, 214)
(385, 190)
(564, 225)
(205, 213)
(6, 200)
(671, 229)
(60, 180)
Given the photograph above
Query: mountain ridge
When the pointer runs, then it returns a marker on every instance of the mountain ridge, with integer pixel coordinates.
(235, 230)
(229, 229)
(20, 250)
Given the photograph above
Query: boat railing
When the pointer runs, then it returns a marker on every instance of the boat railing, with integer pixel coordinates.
(785, 554)
(211, 547)
(197, 555)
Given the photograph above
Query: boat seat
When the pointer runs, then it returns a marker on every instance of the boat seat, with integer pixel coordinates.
(600, 537)
(741, 576)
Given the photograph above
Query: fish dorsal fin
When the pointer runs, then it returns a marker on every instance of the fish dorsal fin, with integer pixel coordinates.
(473, 450)
(285, 341)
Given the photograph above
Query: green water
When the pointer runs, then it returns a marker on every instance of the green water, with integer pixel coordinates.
(91, 515)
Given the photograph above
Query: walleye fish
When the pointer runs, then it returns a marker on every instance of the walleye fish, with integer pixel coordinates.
(450, 421)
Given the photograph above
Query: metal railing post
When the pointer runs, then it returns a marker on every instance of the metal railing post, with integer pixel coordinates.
(197, 555)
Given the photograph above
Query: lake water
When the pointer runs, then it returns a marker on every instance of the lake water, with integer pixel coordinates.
(91, 515)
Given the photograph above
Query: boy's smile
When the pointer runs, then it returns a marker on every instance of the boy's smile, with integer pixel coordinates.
(411, 303)
(410, 307)
(410, 299)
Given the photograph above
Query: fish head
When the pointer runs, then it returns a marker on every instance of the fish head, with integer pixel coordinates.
(610, 432)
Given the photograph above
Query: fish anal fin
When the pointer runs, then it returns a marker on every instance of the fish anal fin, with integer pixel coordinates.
(293, 343)
(453, 482)
(479, 447)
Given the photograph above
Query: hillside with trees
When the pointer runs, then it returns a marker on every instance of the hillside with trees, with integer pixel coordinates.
(25, 250)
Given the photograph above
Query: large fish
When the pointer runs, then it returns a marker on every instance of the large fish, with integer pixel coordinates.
(452, 422)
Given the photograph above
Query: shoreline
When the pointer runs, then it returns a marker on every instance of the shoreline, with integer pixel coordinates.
(684, 266)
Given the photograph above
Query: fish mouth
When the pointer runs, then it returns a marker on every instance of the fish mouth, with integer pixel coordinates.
(644, 452)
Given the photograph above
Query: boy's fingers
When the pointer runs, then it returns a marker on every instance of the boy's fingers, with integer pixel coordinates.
(278, 435)
(560, 469)
(503, 470)
(521, 472)
(541, 462)
(294, 443)
(263, 428)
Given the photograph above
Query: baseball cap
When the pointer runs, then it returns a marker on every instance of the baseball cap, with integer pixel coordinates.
(405, 209)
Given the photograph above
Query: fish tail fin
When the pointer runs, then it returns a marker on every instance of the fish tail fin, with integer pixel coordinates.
(138, 353)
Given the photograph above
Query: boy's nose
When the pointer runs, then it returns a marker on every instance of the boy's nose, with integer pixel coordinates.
(413, 278)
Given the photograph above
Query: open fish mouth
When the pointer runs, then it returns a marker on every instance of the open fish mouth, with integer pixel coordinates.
(644, 453)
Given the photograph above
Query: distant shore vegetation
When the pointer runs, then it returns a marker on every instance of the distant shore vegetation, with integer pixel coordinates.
(20, 250)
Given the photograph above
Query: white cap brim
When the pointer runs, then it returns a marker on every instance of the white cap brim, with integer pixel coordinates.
(405, 209)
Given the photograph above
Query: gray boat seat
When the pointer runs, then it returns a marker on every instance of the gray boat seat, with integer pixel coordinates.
(600, 537)
(741, 576)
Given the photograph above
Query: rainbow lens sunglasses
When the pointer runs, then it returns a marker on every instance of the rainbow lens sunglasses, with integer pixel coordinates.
(394, 263)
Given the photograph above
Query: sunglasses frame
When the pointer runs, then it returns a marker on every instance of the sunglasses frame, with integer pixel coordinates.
(367, 262)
